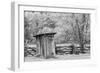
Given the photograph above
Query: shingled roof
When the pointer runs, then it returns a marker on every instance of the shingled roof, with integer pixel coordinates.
(41, 34)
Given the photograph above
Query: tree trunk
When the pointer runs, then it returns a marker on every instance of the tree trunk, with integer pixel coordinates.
(82, 48)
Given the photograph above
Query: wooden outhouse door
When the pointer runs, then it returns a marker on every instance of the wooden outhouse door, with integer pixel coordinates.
(45, 45)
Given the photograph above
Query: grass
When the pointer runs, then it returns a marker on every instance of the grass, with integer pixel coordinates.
(58, 57)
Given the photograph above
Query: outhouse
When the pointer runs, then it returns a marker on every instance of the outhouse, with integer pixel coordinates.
(45, 45)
